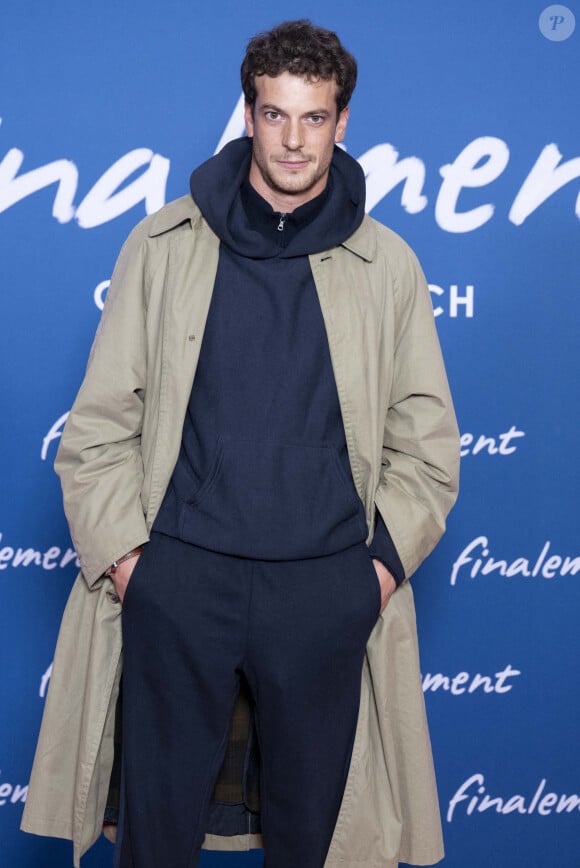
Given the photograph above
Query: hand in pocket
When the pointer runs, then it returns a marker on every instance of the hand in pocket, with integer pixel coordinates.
(122, 574)
(386, 581)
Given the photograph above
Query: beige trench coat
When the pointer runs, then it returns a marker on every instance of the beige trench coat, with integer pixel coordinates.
(116, 457)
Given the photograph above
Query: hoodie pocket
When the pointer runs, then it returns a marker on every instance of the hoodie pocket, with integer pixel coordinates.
(276, 501)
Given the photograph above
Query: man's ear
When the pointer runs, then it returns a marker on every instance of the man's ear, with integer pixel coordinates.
(341, 125)
(249, 119)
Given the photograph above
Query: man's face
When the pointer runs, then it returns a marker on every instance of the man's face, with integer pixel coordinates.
(294, 127)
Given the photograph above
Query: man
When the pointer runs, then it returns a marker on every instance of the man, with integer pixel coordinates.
(262, 452)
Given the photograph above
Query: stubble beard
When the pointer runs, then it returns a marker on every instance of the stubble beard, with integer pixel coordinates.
(287, 184)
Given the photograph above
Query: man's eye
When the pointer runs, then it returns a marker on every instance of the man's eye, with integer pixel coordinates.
(316, 119)
(272, 116)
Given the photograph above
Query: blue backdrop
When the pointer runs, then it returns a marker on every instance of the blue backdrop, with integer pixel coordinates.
(466, 122)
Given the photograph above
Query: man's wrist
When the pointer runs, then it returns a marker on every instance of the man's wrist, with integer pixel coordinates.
(132, 554)
(382, 548)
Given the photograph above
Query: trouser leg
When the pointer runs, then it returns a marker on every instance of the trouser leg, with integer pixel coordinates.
(309, 625)
(184, 628)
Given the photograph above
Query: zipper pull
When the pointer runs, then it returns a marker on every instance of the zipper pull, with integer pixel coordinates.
(282, 222)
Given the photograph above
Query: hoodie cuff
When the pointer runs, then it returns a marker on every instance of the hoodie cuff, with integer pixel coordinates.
(382, 548)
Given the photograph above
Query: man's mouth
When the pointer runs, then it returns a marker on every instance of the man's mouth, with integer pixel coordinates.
(293, 164)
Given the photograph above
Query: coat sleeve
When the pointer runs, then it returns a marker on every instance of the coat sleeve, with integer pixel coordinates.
(420, 457)
(99, 458)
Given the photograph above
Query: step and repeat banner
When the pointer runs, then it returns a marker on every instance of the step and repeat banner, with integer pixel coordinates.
(466, 123)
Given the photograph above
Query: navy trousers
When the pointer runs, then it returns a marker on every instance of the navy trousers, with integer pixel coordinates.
(194, 623)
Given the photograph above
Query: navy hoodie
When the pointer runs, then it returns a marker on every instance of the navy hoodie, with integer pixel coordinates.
(263, 470)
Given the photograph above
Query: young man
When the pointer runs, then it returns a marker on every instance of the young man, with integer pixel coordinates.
(262, 452)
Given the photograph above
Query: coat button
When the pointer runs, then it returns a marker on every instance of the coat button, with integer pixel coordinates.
(113, 597)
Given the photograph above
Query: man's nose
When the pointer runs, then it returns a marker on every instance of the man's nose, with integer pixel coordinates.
(292, 136)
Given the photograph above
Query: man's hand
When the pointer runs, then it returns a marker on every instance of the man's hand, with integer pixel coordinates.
(386, 581)
(121, 575)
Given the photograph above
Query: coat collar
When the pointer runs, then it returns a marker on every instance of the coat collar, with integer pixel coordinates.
(362, 243)
(172, 215)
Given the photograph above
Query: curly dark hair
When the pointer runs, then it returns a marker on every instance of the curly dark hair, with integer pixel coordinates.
(302, 49)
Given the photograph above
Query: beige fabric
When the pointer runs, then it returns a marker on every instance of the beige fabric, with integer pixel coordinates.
(116, 457)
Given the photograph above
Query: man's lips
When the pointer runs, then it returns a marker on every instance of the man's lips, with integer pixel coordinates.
(293, 164)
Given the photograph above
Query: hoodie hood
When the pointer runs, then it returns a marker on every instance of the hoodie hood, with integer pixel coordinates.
(217, 187)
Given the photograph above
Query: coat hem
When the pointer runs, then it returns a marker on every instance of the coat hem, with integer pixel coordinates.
(48, 827)
(424, 857)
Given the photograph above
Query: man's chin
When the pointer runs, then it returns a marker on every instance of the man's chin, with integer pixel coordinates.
(293, 184)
